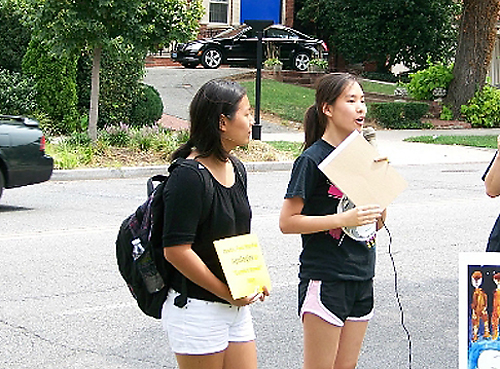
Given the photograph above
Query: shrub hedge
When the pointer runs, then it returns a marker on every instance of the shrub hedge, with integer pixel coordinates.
(55, 84)
(399, 115)
(424, 82)
(147, 107)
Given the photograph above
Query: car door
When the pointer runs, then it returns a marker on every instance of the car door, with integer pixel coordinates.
(282, 41)
(243, 49)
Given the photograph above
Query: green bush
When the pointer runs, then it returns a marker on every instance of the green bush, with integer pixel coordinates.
(147, 108)
(155, 138)
(483, 110)
(71, 152)
(55, 83)
(446, 113)
(78, 150)
(78, 139)
(17, 94)
(423, 82)
(122, 69)
(399, 115)
(116, 135)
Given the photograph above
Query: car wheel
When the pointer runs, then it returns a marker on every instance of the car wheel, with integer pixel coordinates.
(211, 58)
(301, 61)
(189, 65)
(2, 183)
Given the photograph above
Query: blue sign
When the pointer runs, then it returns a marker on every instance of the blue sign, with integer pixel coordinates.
(261, 10)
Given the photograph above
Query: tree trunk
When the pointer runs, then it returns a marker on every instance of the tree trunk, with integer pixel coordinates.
(475, 46)
(94, 93)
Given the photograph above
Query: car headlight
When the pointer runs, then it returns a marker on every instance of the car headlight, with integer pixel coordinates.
(193, 47)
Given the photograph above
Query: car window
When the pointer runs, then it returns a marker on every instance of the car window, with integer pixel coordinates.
(249, 33)
(230, 32)
(280, 33)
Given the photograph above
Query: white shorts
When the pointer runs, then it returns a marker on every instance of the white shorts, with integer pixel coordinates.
(204, 327)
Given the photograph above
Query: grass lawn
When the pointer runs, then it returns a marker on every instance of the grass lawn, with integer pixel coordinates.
(287, 101)
(290, 102)
(475, 141)
(381, 88)
(294, 148)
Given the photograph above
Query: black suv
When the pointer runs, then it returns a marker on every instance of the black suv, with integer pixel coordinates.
(22, 153)
(238, 46)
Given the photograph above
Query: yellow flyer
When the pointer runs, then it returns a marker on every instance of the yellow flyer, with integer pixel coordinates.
(243, 265)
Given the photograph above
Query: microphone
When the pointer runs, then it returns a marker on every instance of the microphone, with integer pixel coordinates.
(369, 134)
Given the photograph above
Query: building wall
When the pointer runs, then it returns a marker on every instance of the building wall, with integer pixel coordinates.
(283, 14)
(494, 72)
(287, 16)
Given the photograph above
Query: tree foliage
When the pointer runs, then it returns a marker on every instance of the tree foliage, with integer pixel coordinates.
(414, 32)
(70, 26)
(17, 94)
(122, 69)
(15, 34)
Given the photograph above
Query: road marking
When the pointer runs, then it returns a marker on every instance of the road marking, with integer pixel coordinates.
(55, 232)
(99, 308)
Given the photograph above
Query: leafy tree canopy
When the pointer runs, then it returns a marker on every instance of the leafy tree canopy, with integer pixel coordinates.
(71, 25)
(387, 31)
(15, 34)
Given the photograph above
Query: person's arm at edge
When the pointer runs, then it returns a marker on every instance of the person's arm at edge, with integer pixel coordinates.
(492, 178)
(292, 221)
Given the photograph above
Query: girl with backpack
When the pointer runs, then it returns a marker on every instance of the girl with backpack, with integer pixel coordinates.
(336, 271)
(206, 327)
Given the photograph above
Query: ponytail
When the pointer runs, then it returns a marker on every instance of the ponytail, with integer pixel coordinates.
(182, 151)
(314, 126)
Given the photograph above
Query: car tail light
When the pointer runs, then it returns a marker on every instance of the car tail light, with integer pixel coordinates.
(42, 143)
(325, 47)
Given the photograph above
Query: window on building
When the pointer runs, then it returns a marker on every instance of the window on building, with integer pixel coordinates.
(218, 11)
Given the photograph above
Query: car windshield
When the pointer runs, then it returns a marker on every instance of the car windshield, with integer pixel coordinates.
(231, 31)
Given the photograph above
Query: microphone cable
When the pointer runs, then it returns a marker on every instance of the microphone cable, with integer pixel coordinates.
(396, 290)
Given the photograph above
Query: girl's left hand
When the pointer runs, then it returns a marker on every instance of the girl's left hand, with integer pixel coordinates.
(251, 299)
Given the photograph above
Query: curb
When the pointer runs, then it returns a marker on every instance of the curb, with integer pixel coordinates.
(135, 172)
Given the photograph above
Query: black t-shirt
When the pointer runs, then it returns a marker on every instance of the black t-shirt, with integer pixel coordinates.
(229, 215)
(329, 255)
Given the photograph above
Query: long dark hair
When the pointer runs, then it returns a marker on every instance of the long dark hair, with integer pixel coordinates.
(215, 98)
(328, 89)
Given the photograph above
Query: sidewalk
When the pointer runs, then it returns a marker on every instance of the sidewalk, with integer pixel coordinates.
(389, 143)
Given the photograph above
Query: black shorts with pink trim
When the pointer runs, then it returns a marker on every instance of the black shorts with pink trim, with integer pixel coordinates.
(337, 301)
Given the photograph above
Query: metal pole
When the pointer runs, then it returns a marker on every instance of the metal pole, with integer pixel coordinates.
(258, 26)
(257, 127)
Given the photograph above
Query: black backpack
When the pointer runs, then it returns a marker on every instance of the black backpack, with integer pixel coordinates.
(139, 250)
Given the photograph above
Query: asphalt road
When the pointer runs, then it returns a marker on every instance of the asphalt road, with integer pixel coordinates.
(64, 305)
(178, 85)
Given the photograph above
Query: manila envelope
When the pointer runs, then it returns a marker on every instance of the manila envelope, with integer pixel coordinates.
(351, 167)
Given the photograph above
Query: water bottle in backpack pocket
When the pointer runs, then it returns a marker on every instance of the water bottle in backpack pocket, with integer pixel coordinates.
(144, 262)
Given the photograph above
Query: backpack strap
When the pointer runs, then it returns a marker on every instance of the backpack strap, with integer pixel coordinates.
(240, 169)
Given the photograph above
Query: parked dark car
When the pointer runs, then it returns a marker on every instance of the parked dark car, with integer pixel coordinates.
(22, 153)
(238, 46)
